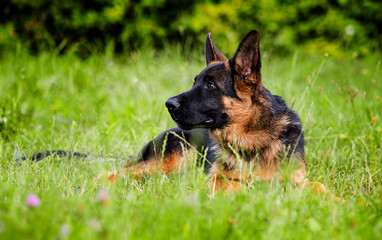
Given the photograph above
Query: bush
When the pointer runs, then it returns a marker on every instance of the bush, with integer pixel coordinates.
(78, 26)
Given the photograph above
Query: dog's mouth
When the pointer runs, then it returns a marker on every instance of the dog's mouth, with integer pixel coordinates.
(207, 123)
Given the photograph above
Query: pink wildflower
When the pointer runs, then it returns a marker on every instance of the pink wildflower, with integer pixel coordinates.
(95, 224)
(33, 200)
(103, 196)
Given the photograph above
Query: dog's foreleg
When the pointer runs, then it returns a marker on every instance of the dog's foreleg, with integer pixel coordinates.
(223, 179)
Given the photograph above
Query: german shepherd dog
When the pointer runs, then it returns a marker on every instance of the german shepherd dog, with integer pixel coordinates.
(244, 132)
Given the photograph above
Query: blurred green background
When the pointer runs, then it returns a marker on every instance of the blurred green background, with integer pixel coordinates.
(93, 76)
(337, 27)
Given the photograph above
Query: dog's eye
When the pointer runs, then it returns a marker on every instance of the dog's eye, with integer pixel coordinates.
(210, 85)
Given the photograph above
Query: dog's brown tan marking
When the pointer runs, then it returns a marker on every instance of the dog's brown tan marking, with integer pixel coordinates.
(229, 178)
(167, 165)
(246, 129)
(173, 162)
(223, 184)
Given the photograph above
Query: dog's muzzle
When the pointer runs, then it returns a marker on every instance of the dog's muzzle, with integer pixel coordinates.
(172, 104)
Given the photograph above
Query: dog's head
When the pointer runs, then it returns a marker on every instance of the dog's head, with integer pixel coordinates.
(220, 88)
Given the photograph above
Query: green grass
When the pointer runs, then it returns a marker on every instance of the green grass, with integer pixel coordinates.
(112, 106)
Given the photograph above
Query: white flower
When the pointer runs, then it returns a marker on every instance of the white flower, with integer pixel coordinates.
(349, 30)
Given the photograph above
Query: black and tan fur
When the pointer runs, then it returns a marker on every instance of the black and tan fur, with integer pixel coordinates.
(245, 131)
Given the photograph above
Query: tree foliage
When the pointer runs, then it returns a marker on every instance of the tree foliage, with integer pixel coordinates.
(73, 25)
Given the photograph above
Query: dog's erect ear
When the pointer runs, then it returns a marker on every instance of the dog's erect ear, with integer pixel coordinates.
(246, 62)
(212, 53)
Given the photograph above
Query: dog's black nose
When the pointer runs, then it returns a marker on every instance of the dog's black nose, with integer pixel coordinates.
(172, 104)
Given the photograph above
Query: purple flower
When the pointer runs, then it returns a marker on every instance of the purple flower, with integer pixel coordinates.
(33, 200)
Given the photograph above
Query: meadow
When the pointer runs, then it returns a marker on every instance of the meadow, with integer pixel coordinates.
(112, 105)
